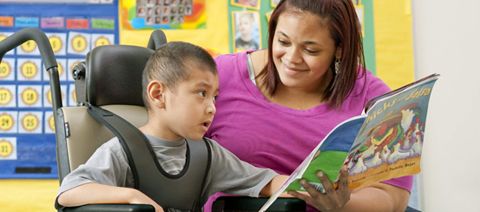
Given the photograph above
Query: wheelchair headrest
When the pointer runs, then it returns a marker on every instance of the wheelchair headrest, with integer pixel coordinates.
(114, 75)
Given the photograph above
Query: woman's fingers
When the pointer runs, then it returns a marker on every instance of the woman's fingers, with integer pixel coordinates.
(324, 196)
(327, 185)
(343, 190)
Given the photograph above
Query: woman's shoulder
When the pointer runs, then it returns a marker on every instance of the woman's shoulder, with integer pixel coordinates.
(370, 84)
(233, 65)
(239, 58)
(229, 60)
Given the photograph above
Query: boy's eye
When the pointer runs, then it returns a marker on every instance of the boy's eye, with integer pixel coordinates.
(202, 93)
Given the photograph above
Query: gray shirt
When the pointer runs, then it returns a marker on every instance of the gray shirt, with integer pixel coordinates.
(228, 174)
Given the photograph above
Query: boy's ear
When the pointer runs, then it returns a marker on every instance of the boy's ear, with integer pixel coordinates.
(156, 93)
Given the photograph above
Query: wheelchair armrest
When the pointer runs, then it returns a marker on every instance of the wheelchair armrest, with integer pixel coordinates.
(111, 208)
(241, 203)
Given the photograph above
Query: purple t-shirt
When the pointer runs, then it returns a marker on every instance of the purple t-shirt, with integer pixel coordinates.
(269, 135)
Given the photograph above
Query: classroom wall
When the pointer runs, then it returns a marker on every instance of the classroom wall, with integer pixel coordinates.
(388, 35)
(446, 41)
(393, 41)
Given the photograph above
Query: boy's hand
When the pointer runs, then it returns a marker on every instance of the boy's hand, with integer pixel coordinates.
(137, 197)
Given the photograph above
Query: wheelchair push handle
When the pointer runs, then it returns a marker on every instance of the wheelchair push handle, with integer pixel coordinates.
(157, 39)
(40, 39)
(46, 52)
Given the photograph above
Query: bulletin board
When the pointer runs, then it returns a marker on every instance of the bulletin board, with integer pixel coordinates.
(210, 31)
(164, 14)
(27, 141)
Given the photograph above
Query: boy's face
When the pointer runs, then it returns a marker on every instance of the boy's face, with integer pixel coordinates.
(190, 106)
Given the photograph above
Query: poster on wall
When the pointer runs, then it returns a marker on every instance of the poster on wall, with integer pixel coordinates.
(246, 30)
(250, 4)
(164, 14)
(247, 24)
(27, 140)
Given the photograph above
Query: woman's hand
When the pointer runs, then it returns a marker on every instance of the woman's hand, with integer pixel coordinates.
(332, 198)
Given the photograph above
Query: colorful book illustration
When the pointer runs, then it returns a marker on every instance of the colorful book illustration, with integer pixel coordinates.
(384, 142)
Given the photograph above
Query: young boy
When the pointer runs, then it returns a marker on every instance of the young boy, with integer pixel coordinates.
(180, 85)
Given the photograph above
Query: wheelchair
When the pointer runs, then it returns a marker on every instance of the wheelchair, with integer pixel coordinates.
(110, 79)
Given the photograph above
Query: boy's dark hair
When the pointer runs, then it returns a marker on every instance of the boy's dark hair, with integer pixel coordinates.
(168, 64)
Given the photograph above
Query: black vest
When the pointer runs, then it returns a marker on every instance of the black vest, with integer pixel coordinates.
(184, 191)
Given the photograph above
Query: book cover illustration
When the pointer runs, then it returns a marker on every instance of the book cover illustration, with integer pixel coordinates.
(383, 143)
(389, 144)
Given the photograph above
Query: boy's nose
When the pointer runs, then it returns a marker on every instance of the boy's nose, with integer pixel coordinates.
(211, 109)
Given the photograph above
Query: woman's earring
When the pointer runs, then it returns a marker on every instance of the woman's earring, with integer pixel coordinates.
(337, 66)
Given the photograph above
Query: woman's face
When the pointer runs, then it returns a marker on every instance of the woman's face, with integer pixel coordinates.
(303, 50)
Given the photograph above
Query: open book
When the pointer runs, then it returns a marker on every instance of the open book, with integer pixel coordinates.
(384, 142)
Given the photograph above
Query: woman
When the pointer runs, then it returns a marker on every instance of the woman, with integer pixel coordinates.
(275, 105)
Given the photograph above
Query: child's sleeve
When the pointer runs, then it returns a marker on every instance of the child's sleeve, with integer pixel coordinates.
(108, 166)
(231, 175)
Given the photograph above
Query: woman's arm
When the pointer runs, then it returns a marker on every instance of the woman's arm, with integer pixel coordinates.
(378, 197)
(94, 193)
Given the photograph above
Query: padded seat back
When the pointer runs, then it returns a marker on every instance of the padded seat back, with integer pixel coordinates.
(86, 134)
(111, 77)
